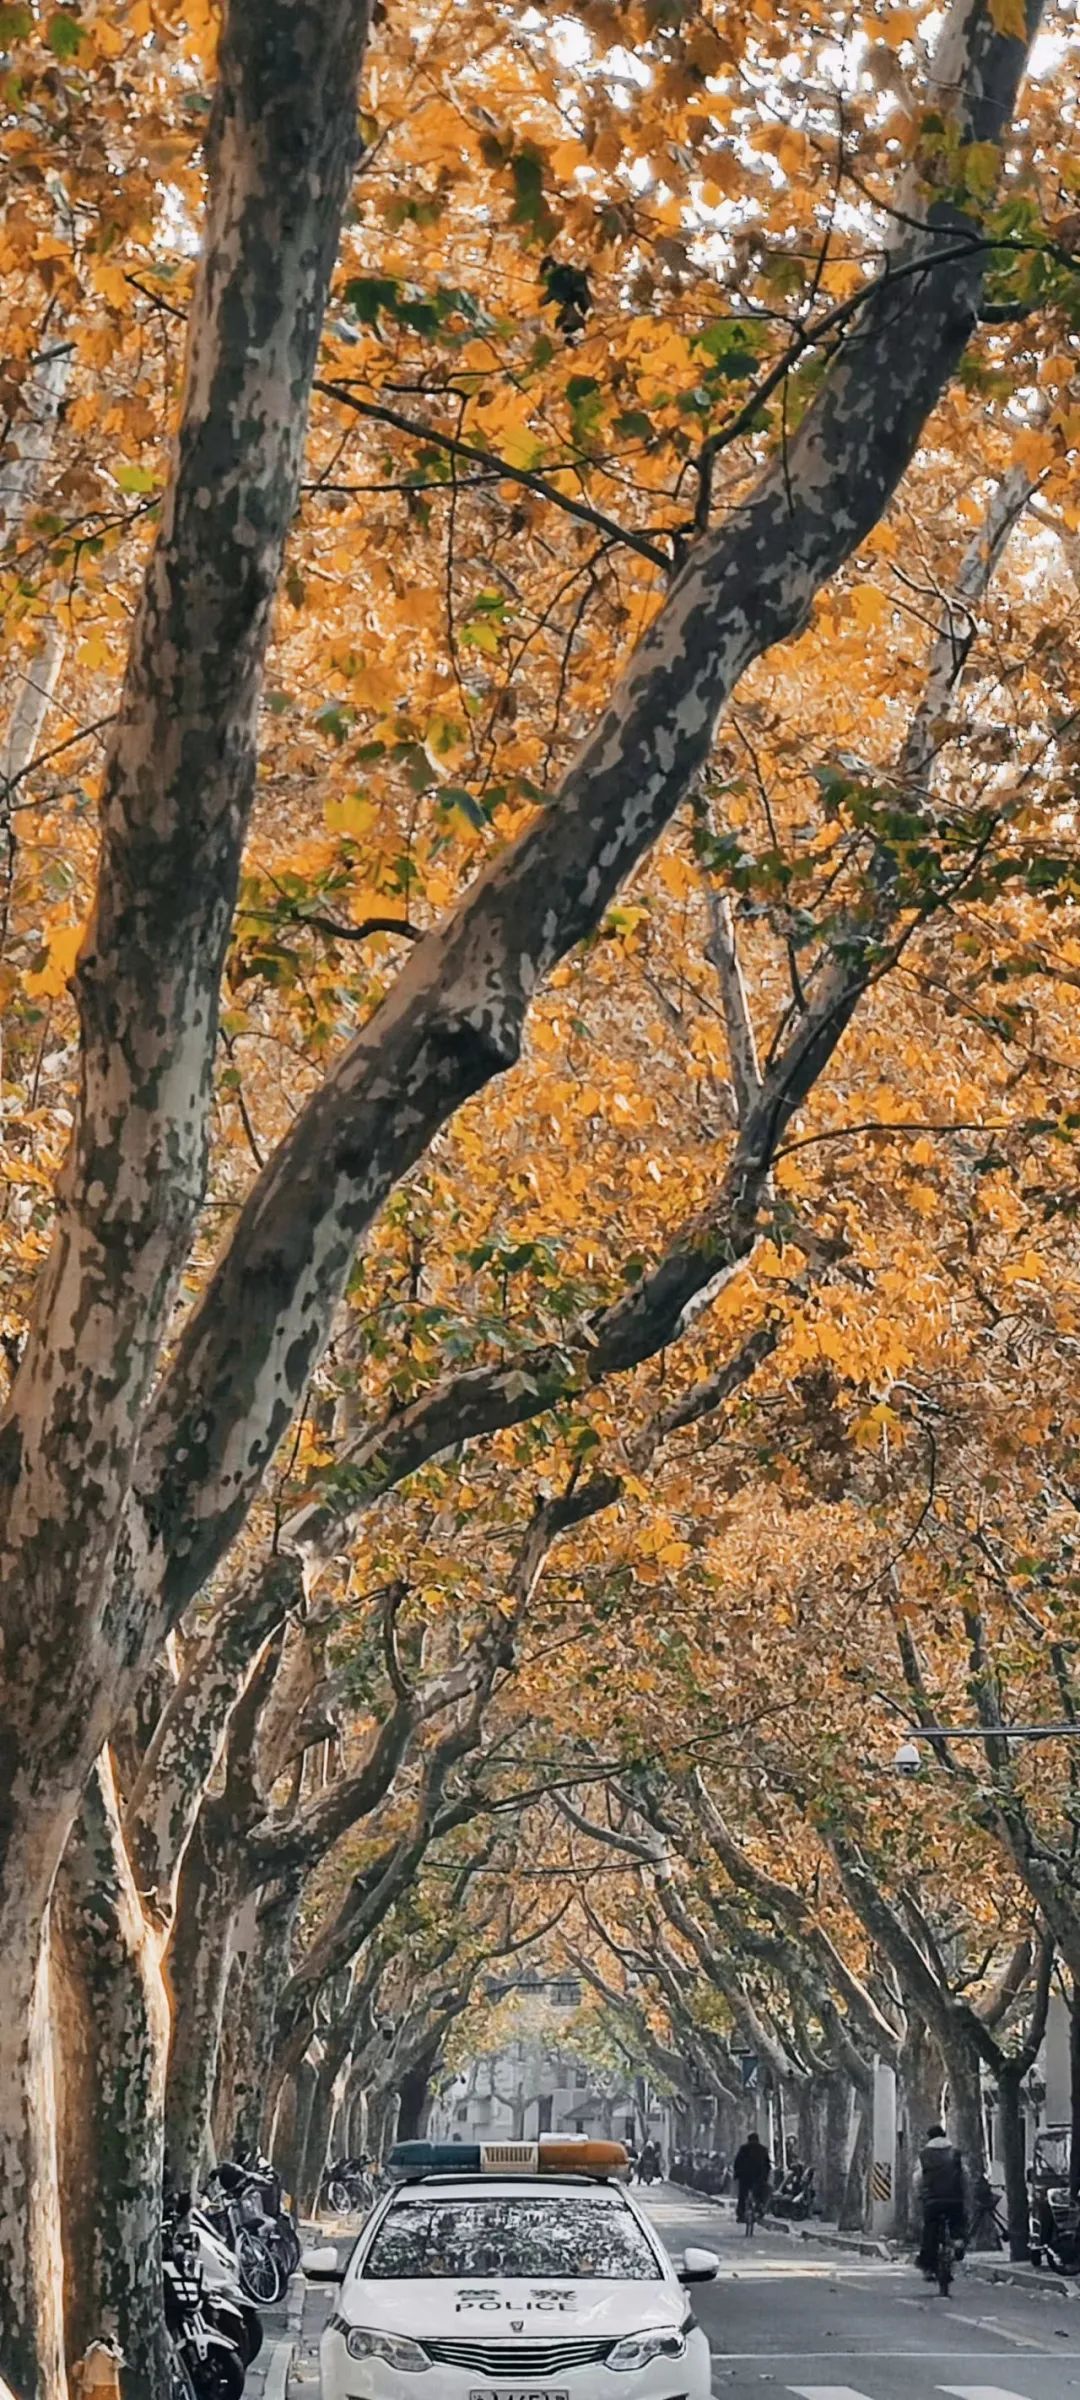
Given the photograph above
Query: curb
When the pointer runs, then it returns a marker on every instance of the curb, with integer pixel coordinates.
(1024, 2279)
(981, 2265)
(279, 2369)
(863, 2244)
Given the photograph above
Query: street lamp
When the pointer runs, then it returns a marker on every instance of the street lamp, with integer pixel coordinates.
(907, 1760)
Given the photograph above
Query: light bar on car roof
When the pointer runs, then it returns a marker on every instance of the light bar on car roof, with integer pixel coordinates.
(553, 2154)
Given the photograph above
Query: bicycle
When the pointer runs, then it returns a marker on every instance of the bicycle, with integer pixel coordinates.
(944, 2257)
(989, 2228)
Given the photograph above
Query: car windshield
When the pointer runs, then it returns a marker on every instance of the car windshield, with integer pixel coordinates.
(567, 2235)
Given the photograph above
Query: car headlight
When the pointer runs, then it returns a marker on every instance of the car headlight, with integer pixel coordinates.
(395, 2349)
(640, 2349)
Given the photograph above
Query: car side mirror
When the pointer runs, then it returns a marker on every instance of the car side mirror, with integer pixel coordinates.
(322, 2265)
(699, 2266)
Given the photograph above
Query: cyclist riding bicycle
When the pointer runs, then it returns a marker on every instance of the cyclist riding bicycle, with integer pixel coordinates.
(943, 2193)
(751, 2169)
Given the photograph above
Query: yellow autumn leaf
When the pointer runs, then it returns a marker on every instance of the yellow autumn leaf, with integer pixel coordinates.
(1028, 1269)
(352, 814)
(868, 607)
(62, 946)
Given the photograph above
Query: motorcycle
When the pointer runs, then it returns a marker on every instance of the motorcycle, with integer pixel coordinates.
(194, 2244)
(1054, 2218)
(203, 2363)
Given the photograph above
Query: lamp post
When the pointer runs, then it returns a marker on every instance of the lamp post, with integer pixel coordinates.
(908, 1761)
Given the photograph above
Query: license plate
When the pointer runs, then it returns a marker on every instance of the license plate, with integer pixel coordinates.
(534, 2393)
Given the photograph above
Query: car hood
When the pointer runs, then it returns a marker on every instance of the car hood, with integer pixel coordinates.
(512, 2311)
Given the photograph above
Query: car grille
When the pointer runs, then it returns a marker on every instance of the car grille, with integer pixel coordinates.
(509, 2360)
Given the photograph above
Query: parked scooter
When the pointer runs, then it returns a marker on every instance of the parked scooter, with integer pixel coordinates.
(203, 2363)
(196, 2244)
(1054, 2229)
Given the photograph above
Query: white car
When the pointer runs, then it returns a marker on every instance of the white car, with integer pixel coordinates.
(523, 2287)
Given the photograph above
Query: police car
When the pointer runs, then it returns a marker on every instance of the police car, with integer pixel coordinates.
(511, 2271)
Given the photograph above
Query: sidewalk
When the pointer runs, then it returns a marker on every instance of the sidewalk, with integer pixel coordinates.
(268, 2378)
(986, 2266)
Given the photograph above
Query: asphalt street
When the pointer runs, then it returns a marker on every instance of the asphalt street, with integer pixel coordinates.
(788, 2320)
(792, 2321)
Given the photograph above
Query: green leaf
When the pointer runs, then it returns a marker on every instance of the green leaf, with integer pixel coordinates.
(135, 479)
(16, 22)
(632, 425)
(454, 796)
(64, 34)
(530, 207)
(366, 295)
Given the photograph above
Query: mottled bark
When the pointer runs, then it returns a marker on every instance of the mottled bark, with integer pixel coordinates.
(266, 1967)
(966, 2123)
(836, 2148)
(382, 2122)
(190, 1736)
(414, 2095)
(197, 1965)
(330, 2080)
(31, 2330)
(455, 1015)
(27, 453)
(111, 2028)
(176, 796)
(1014, 2156)
(920, 2078)
(855, 2208)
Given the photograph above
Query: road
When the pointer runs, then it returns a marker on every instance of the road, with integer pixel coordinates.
(792, 2320)
(789, 2320)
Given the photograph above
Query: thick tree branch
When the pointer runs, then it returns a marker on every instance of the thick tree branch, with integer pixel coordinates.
(455, 1014)
(722, 952)
(177, 792)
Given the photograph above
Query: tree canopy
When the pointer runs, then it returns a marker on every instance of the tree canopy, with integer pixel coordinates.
(538, 559)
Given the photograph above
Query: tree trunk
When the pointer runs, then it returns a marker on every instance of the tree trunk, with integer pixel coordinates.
(325, 2101)
(1074, 2089)
(966, 2123)
(837, 2148)
(231, 2068)
(1013, 2157)
(31, 2302)
(855, 2211)
(414, 2099)
(356, 2124)
(920, 2076)
(263, 1942)
(198, 1968)
(112, 2037)
(382, 2121)
(290, 2131)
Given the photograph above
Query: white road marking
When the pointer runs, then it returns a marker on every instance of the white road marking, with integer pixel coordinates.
(732, 2358)
(826, 2391)
(1023, 2341)
(978, 2391)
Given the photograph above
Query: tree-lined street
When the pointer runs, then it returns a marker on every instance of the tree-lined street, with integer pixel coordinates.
(789, 2317)
(793, 2320)
(539, 942)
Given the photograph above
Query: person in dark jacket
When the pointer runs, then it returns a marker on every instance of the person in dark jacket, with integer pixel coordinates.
(943, 2193)
(751, 2168)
